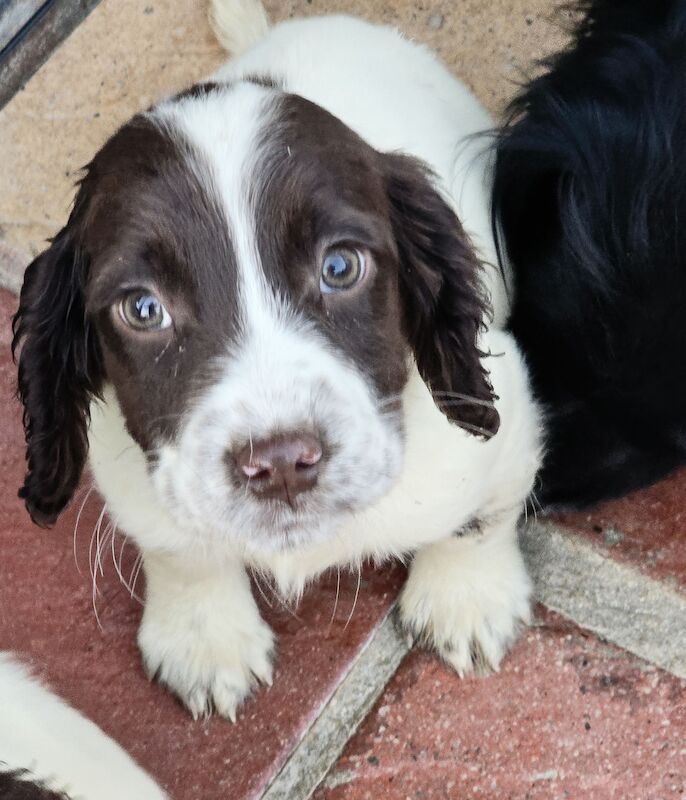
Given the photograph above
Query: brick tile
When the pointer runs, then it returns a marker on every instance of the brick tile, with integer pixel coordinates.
(567, 717)
(646, 529)
(46, 614)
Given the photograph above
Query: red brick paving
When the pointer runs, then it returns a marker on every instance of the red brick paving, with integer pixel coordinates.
(646, 529)
(46, 614)
(567, 717)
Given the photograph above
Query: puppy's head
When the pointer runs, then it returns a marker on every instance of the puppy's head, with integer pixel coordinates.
(253, 280)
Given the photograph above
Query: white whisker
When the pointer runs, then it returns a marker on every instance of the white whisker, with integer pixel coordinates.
(100, 538)
(338, 591)
(261, 590)
(118, 567)
(95, 541)
(93, 562)
(76, 526)
(357, 593)
(137, 564)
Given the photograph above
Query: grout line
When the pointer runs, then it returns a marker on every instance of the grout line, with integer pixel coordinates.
(321, 745)
(614, 601)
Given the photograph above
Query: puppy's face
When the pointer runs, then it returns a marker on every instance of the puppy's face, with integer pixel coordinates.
(254, 281)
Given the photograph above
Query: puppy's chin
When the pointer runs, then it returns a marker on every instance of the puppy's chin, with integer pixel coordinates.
(281, 529)
(284, 535)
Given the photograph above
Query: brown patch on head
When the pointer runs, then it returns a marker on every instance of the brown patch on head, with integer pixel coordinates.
(152, 222)
(321, 186)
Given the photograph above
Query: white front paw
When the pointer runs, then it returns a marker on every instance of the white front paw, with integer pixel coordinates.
(210, 657)
(466, 599)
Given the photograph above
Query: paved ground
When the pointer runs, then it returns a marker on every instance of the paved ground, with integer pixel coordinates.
(592, 701)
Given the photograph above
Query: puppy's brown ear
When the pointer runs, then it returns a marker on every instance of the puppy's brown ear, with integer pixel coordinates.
(444, 302)
(59, 371)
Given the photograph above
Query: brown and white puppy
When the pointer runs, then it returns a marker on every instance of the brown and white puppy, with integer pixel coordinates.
(267, 308)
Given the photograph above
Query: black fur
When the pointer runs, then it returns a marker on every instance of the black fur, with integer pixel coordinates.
(59, 371)
(444, 301)
(590, 194)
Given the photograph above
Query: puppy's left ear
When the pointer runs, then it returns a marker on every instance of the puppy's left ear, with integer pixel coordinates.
(444, 303)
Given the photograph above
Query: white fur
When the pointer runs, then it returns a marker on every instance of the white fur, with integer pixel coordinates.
(201, 631)
(469, 593)
(57, 746)
(202, 634)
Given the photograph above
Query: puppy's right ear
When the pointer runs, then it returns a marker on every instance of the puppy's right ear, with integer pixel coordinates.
(60, 369)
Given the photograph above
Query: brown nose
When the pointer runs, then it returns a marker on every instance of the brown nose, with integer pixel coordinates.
(281, 467)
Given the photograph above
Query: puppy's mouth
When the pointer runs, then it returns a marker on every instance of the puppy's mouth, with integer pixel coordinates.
(278, 524)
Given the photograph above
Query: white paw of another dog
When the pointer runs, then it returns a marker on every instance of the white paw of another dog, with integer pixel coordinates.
(466, 598)
(212, 659)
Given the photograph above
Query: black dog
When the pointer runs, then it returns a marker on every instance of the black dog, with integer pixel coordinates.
(590, 208)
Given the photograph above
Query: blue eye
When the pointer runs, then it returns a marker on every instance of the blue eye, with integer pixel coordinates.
(341, 269)
(144, 312)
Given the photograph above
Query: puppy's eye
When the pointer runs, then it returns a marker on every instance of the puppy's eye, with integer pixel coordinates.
(144, 312)
(342, 269)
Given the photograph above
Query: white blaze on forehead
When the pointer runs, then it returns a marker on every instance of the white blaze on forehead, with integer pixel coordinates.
(226, 126)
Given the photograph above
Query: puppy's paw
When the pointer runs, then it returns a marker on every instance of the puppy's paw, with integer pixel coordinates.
(466, 601)
(210, 660)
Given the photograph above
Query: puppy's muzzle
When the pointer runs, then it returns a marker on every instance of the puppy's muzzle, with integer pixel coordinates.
(281, 467)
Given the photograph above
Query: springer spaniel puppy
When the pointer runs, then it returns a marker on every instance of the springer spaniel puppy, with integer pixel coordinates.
(267, 323)
(590, 198)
